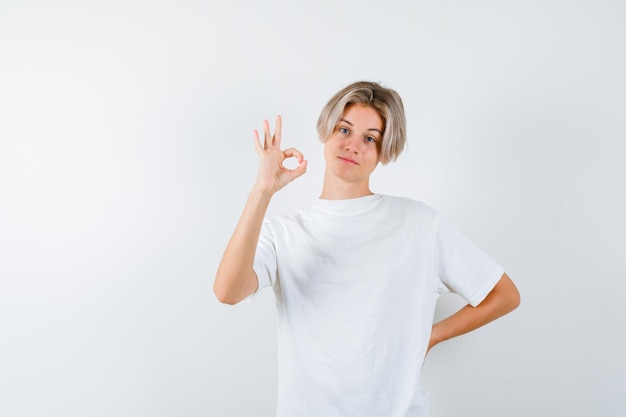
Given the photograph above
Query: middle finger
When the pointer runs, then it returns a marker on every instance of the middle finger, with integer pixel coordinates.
(278, 131)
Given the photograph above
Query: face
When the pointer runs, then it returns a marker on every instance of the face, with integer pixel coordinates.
(351, 151)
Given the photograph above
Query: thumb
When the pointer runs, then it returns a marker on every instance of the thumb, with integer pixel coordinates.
(299, 170)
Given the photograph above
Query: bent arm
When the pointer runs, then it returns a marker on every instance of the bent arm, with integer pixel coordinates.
(502, 299)
(235, 278)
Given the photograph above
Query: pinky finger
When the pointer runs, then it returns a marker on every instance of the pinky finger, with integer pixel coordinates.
(257, 141)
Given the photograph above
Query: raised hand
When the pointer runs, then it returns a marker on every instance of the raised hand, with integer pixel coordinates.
(272, 175)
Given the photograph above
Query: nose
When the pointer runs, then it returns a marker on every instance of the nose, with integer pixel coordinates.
(352, 144)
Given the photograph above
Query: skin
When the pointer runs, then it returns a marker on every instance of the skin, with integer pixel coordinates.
(352, 154)
(235, 278)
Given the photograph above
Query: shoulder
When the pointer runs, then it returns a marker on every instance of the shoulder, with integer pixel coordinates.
(411, 215)
(409, 206)
(289, 219)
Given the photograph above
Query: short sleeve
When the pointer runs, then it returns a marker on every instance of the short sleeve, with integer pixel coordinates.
(265, 259)
(462, 267)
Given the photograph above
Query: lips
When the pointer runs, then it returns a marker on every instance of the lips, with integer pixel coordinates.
(348, 161)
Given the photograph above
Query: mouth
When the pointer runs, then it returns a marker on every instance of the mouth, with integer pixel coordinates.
(348, 161)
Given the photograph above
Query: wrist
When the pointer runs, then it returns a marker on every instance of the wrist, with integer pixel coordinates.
(258, 193)
(436, 335)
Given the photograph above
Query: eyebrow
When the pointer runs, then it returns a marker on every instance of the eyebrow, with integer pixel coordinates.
(373, 129)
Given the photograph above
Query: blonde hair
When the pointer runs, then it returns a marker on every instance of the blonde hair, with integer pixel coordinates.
(385, 101)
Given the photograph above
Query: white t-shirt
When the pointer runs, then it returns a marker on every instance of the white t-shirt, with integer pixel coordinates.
(356, 282)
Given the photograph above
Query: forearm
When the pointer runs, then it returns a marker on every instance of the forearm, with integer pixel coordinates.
(235, 278)
(503, 299)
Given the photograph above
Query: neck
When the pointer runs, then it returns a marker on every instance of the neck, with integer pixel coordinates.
(337, 189)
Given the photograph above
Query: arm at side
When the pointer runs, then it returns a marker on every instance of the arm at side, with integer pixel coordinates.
(502, 299)
(235, 278)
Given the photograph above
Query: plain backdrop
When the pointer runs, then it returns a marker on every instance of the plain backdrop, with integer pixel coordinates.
(126, 156)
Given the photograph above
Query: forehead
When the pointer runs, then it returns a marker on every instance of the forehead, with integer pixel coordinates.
(363, 115)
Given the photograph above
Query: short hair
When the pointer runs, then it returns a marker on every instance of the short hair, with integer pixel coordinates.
(385, 101)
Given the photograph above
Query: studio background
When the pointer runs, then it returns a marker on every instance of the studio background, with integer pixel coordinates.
(126, 156)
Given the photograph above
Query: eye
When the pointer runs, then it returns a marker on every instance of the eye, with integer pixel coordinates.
(370, 139)
(344, 130)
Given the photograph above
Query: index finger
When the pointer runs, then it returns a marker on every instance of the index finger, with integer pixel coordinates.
(278, 129)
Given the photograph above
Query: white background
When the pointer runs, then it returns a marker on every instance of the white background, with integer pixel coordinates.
(126, 156)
